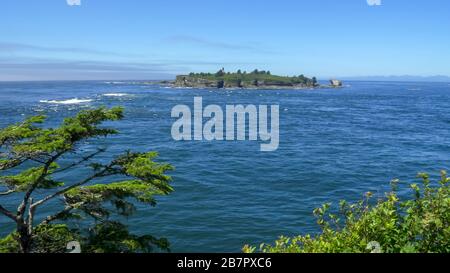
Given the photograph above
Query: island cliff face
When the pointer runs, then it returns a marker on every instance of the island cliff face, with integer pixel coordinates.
(256, 79)
(336, 83)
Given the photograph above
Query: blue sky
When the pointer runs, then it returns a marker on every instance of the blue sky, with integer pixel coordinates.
(142, 39)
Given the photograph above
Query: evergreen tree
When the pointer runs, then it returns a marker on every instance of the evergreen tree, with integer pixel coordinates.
(31, 166)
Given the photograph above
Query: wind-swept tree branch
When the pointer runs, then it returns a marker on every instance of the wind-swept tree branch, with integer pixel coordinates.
(57, 216)
(30, 219)
(23, 205)
(84, 159)
(8, 213)
(103, 173)
(11, 163)
(7, 192)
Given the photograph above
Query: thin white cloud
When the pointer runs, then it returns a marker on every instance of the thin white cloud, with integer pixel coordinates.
(197, 41)
(74, 2)
(32, 68)
(11, 47)
(40, 69)
(374, 2)
(204, 42)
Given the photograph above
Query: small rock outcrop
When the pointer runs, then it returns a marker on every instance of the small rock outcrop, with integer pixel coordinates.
(336, 83)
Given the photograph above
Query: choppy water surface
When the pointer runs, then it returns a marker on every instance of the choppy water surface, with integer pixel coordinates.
(335, 144)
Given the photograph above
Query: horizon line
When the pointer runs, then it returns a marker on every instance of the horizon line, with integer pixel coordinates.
(348, 79)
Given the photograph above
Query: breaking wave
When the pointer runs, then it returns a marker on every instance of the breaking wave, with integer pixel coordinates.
(68, 101)
(115, 95)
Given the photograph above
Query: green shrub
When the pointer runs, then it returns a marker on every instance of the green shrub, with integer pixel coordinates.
(419, 224)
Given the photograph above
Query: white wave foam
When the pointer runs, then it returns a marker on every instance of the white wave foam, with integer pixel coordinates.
(69, 101)
(115, 82)
(115, 95)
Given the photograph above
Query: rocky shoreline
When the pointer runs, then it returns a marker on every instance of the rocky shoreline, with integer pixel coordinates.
(184, 81)
(257, 79)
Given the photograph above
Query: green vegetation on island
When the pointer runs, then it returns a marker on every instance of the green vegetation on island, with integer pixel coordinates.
(91, 206)
(242, 79)
(420, 224)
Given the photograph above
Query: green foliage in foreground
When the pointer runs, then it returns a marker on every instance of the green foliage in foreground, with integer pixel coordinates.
(391, 225)
(30, 165)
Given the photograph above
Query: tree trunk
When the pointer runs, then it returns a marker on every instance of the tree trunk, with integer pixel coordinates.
(24, 238)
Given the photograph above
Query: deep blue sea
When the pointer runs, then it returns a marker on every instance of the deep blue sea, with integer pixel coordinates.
(334, 144)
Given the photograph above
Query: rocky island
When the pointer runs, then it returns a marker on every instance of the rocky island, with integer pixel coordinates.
(253, 80)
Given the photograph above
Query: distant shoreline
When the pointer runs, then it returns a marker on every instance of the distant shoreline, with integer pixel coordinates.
(266, 87)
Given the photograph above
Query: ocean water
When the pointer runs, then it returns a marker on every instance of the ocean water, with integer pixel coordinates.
(334, 144)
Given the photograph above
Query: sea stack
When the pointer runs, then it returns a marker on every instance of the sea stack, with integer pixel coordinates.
(336, 83)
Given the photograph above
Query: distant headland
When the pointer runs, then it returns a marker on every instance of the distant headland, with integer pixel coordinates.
(257, 79)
